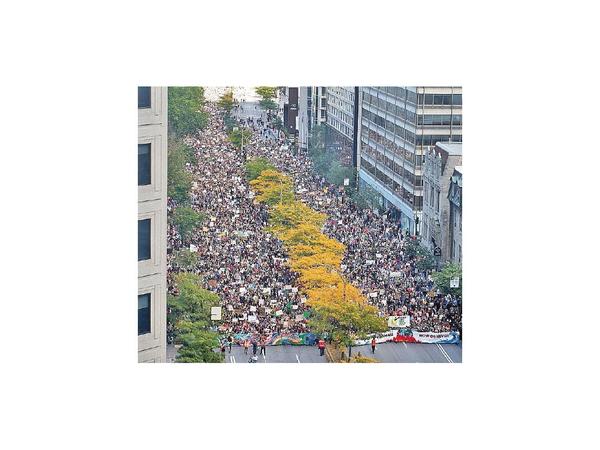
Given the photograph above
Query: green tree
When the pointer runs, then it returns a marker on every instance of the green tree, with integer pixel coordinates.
(197, 344)
(185, 110)
(443, 277)
(424, 259)
(268, 104)
(344, 317)
(179, 180)
(255, 166)
(226, 101)
(185, 259)
(186, 220)
(193, 302)
(236, 135)
(278, 123)
(266, 92)
(337, 173)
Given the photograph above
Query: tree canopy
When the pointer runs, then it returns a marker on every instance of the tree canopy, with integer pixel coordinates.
(236, 134)
(255, 166)
(443, 277)
(186, 219)
(179, 180)
(226, 101)
(185, 110)
(185, 259)
(272, 187)
(189, 313)
(266, 92)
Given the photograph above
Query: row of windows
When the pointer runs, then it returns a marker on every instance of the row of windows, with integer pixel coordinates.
(388, 140)
(144, 306)
(399, 111)
(396, 130)
(144, 96)
(400, 191)
(432, 139)
(440, 119)
(144, 239)
(440, 99)
(404, 95)
(394, 165)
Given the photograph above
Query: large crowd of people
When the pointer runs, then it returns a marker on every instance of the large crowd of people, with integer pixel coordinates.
(247, 266)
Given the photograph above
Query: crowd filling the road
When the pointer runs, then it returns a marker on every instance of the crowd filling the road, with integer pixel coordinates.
(246, 266)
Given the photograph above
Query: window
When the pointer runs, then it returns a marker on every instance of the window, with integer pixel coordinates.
(437, 202)
(144, 165)
(143, 314)
(457, 99)
(144, 239)
(144, 97)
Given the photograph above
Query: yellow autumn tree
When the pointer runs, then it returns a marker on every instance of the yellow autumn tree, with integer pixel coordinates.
(344, 315)
(273, 187)
(284, 216)
(322, 259)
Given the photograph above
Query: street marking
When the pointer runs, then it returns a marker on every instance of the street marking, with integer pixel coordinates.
(446, 355)
(405, 346)
(297, 359)
(234, 361)
(231, 359)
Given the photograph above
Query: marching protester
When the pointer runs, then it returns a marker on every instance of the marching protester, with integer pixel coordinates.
(321, 346)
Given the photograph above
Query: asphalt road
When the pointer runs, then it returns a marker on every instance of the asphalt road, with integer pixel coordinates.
(400, 352)
(388, 352)
(277, 354)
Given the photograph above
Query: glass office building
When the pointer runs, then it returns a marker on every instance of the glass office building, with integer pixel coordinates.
(397, 124)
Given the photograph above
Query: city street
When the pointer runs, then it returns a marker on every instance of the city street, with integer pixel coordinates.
(389, 352)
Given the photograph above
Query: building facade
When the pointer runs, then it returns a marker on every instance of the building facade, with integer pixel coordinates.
(438, 167)
(305, 113)
(396, 125)
(152, 223)
(318, 107)
(455, 199)
(289, 100)
(342, 104)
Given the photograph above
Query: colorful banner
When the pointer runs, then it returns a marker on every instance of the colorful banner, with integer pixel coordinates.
(278, 339)
(399, 321)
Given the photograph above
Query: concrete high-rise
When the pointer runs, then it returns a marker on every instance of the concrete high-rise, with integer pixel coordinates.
(152, 223)
(397, 124)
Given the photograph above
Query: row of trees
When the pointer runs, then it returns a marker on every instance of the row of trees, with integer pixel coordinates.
(338, 308)
(189, 313)
(189, 310)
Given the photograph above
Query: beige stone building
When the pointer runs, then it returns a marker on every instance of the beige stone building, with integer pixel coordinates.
(152, 223)
(438, 166)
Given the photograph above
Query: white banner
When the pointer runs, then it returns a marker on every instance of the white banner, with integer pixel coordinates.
(432, 338)
(215, 313)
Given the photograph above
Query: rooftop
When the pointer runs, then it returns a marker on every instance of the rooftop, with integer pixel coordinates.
(453, 148)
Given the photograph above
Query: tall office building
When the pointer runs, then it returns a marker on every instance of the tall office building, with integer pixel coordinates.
(396, 125)
(342, 108)
(152, 223)
(312, 110)
(304, 115)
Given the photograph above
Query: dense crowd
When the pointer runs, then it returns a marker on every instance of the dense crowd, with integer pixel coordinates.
(238, 260)
(246, 266)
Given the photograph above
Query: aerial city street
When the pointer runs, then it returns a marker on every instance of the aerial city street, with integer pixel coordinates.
(307, 225)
